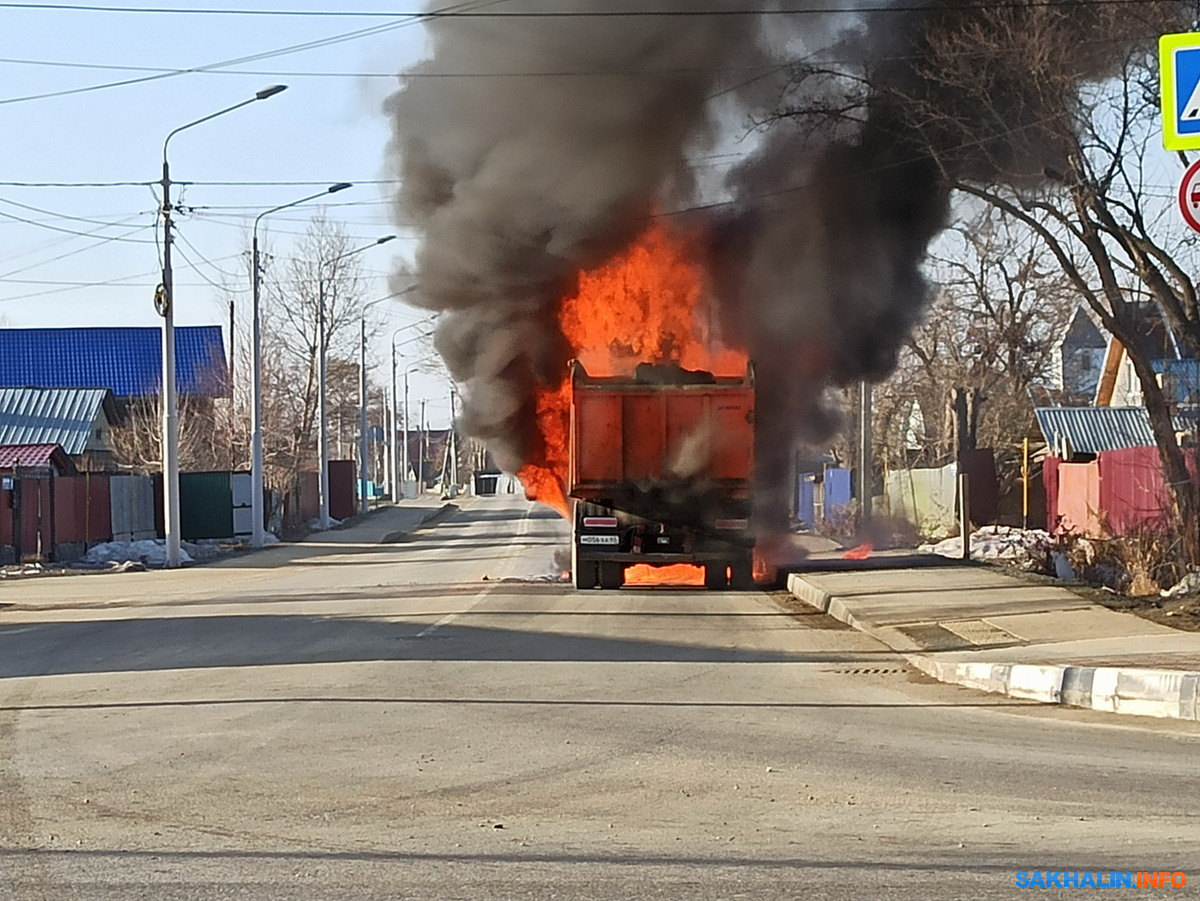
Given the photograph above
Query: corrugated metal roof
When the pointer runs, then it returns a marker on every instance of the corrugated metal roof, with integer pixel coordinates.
(62, 416)
(126, 360)
(14, 455)
(1089, 430)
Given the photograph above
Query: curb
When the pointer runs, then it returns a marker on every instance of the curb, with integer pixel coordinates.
(432, 518)
(1173, 694)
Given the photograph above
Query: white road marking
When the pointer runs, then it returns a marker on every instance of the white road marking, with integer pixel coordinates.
(522, 531)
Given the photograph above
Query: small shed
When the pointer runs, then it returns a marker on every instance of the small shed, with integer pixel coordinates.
(76, 419)
(35, 459)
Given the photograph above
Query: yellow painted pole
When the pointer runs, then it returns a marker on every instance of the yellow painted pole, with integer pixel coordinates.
(1025, 484)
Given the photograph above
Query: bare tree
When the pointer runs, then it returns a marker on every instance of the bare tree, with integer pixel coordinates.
(1107, 234)
(1044, 111)
(203, 435)
(963, 379)
(318, 273)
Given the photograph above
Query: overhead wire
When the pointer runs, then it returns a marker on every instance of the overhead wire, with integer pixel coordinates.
(55, 215)
(400, 22)
(70, 231)
(549, 14)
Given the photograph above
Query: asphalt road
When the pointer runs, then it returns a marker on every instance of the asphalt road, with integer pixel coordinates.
(344, 720)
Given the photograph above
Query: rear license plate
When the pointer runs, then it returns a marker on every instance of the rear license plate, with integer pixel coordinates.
(599, 539)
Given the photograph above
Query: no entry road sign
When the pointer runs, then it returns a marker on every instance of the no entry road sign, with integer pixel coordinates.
(1189, 196)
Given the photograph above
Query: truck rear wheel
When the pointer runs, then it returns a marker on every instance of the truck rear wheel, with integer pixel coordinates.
(585, 573)
(714, 576)
(612, 575)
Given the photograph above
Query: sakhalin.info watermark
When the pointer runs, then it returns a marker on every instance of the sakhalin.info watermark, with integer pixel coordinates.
(1093, 879)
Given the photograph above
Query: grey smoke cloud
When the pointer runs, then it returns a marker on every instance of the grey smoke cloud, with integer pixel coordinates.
(577, 127)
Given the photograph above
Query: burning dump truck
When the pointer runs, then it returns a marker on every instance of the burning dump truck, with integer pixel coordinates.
(661, 466)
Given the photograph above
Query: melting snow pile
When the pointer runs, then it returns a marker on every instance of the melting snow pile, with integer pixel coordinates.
(150, 552)
(1024, 548)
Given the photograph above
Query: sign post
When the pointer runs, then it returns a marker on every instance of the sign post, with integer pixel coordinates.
(1179, 88)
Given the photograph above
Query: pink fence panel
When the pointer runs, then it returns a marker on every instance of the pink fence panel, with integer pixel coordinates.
(1133, 493)
(1079, 499)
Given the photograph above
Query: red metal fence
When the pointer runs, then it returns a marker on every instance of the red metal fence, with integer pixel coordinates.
(1118, 493)
(45, 517)
(82, 509)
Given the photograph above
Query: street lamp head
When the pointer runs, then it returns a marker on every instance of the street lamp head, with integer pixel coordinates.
(270, 91)
(340, 186)
(385, 239)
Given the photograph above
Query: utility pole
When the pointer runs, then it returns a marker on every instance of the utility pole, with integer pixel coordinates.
(164, 303)
(453, 440)
(363, 503)
(164, 300)
(866, 487)
(404, 461)
(422, 452)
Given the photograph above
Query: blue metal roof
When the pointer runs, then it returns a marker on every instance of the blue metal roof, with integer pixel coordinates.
(62, 416)
(127, 361)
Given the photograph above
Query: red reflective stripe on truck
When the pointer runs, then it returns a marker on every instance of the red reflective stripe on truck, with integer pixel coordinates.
(600, 522)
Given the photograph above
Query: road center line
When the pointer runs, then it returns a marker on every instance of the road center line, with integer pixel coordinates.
(522, 531)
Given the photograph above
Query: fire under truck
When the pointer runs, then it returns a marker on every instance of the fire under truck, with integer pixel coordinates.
(661, 472)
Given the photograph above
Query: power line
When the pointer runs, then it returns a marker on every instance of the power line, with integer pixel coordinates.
(71, 231)
(401, 22)
(52, 213)
(551, 14)
(563, 73)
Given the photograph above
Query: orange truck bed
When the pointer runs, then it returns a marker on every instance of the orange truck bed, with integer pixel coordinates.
(625, 431)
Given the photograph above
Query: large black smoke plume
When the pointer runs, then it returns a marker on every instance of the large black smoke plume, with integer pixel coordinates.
(540, 136)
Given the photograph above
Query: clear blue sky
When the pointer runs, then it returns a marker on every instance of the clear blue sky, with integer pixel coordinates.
(327, 127)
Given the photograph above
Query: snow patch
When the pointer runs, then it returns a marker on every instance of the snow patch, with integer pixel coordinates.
(1025, 548)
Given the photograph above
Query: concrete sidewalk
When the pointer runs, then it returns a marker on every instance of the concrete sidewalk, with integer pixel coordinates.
(973, 625)
(391, 522)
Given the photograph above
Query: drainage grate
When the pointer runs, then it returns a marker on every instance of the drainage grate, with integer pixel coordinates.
(980, 633)
(868, 671)
(932, 637)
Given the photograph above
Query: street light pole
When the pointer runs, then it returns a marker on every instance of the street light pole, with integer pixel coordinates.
(422, 452)
(322, 353)
(363, 503)
(406, 421)
(399, 474)
(322, 413)
(164, 302)
(258, 526)
(406, 462)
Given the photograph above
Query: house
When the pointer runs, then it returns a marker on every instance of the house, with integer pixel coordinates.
(1078, 359)
(77, 420)
(1175, 363)
(127, 361)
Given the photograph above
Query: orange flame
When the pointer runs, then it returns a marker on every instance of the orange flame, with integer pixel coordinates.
(649, 305)
(675, 574)
(546, 479)
(862, 552)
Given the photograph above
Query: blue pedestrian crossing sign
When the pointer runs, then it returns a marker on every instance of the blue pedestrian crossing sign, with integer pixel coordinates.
(1179, 87)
